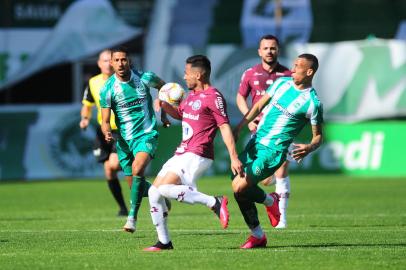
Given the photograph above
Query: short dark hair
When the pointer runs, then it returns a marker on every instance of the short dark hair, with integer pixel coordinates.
(268, 37)
(119, 49)
(200, 61)
(312, 58)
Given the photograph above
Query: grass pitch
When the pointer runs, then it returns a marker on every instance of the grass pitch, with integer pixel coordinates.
(335, 222)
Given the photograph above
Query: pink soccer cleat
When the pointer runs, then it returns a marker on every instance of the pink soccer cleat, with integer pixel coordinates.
(273, 211)
(221, 210)
(253, 242)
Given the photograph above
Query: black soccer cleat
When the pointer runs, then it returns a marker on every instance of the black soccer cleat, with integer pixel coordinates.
(159, 246)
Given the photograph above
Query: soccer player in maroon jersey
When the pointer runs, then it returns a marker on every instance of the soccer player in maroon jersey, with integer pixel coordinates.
(202, 113)
(254, 82)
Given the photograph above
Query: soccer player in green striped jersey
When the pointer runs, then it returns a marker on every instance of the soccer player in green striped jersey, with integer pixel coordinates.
(127, 94)
(287, 106)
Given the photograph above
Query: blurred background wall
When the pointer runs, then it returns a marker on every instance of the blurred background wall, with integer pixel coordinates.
(48, 51)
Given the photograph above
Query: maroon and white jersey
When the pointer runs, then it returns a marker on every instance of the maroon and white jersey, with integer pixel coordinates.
(202, 113)
(256, 80)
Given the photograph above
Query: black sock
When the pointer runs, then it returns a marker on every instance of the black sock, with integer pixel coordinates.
(115, 188)
(248, 210)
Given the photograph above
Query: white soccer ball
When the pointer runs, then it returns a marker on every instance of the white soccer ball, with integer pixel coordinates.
(173, 93)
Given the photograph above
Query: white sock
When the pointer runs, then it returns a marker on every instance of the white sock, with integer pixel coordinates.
(187, 194)
(283, 205)
(257, 232)
(283, 189)
(159, 218)
(268, 200)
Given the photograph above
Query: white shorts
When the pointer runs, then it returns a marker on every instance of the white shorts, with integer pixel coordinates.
(188, 166)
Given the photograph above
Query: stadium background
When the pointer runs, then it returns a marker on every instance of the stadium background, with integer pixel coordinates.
(48, 50)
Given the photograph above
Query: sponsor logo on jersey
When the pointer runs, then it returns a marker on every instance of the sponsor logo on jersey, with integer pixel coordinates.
(133, 103)
(282, 110)
(196, 105)
(260, 92)
(220, 105)
(190, 116)
(258, 73)
(280, 74)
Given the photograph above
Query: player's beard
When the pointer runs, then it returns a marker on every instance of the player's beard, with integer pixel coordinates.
(271, 62)
(124, 74)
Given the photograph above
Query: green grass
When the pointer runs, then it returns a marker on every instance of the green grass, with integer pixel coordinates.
(335, 222)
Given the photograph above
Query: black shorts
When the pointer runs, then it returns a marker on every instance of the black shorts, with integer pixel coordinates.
(103, 149)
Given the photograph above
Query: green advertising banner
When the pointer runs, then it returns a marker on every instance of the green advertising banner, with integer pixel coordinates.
(367, 149)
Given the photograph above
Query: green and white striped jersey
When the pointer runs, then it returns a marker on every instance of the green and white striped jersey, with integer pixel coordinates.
(287, 112)
(131, 102)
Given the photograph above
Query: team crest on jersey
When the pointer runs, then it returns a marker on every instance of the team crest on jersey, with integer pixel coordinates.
(202, 95)
(140, 89)
(256, 82)
(257, 171)
(196, 105)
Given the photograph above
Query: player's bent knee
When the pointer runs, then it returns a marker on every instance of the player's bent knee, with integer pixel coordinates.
(153, 194)
(164, 190)
(239, 185)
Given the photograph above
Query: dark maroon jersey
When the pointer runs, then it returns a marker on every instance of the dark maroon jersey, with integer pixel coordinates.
(256, 80)
(202, 113)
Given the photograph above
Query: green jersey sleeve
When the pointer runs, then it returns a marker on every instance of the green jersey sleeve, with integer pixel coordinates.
(105, 95)
(316, 117)
(150, 79)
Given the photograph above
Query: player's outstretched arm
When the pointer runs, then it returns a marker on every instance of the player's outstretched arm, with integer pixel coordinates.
(301, 150)
(171, 110)
(251, 114)
(226, 133)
